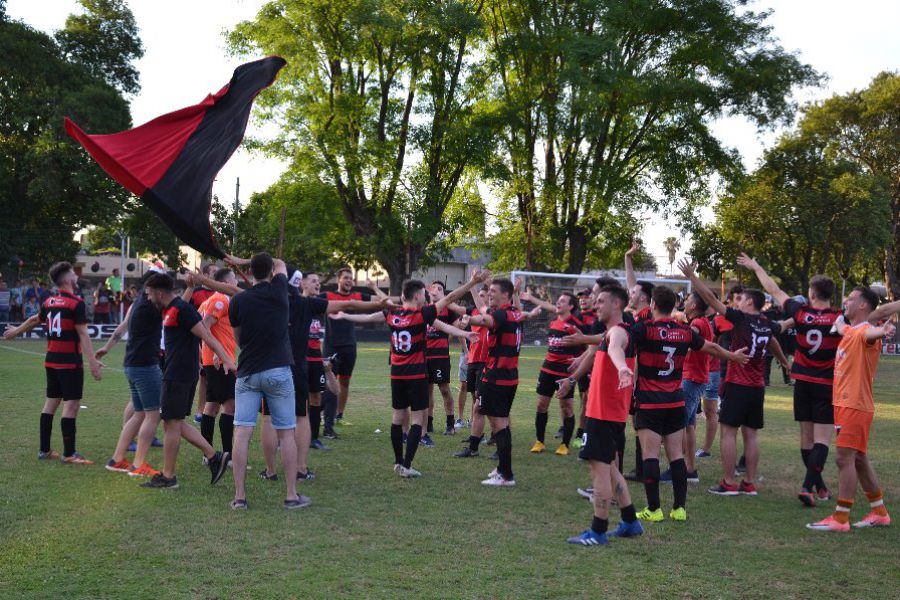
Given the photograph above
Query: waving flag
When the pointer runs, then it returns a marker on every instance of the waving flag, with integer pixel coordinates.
(171, 161)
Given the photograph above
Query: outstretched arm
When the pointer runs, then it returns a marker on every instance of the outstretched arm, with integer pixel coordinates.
(476, 278)
(886, 330)
(739, 356)
(586, 363)
(775, 349)
(883, 312)
(685, 266)
(456, 331)
(369, 318)
(336, 306)
(630, 279)
(542, 304)
(117, 335)
(218, 286)
(203, 333)
(767, 282)
(29, 324)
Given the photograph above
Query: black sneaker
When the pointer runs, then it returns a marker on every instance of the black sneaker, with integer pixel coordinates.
(491, 441)
(299, 502)
(466, 453)
(161, 482)
(634, 476)
(318, 445)
(693, 476)
(331, 434)
(559, 433)
(265, 475)
(494, 456)
(218, 464)
(308, 476)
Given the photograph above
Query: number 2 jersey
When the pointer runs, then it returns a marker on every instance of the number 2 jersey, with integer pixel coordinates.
(662, 345)
(752, 332)
(559, 357)
(816, 342)
(408, 327)
(60, 314)
(504, 341)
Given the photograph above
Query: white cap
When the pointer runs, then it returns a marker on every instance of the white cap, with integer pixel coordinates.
(295, 279)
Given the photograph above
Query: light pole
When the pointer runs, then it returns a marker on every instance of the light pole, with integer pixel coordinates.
(122, 238)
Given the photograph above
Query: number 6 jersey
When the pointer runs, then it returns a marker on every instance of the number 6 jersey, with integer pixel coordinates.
(752, 332)
(60, 314)
(408, 328)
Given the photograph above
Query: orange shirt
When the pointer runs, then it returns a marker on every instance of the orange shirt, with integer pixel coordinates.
(854, 369)
(217, 306)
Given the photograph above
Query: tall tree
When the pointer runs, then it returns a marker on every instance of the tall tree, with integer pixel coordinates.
(381, 99)
(607, 106)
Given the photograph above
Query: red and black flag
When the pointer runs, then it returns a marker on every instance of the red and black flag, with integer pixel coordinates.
(171, 161)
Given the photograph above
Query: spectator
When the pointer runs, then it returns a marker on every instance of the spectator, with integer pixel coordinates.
(114, 285)
(4, 302)
(129, 298)
(33, 291)
(102, 304)
(15, 301)
(31, 307)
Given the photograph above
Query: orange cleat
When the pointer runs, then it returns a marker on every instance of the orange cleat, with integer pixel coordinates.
(829, 523)
(145, 470)
(873, 519)
(76, 459)
(122, 466)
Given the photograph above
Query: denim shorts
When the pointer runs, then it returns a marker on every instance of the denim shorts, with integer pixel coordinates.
(146, 387)
(692, 392)
(712, 388)
(463, 368)
(277, 385)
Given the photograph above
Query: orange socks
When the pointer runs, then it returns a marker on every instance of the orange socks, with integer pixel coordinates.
(876, 501)
(842, 510)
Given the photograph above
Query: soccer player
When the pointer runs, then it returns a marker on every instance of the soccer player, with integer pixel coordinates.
(65, 324)
(717, 326)
(639, 295)
(182, 330)
(745, 387)
(437, 359)
(310, 287)
(609, 398)
(478, 354)
(196, 296)
(854, 407)
(588, 315)
(555, 367)
(813, 371)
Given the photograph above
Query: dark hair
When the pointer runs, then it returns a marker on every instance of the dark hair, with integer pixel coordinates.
(823, 286)
(868, 295)
(606, 281)
(343, 270)
(411, 288)
(506, 286)
(222, 274)
(160, 281)
(59, 270)
(735, 289)
(571, 298)
(617, 292)
(759, 299)
(699, 301)
(646, 289)
(440, 283)
(665, 299)
(308, 275)
(206, 267)
(261, 265)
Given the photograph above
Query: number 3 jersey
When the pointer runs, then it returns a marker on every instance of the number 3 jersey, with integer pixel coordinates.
(408, 327)
(504, 342)
(662, 345)
(60, 314)
(816, 343)
(752, 332)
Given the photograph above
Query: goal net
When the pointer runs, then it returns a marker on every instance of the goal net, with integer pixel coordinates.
(548, 287)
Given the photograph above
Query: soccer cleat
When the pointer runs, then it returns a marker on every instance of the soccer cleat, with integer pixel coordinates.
(493, 473)
(409, 473)
(198, 418)
(701, 453)
(807, 498)
(586, 492)
(666, 476)
(155, 443)
(264, 474)
(318, 445)
(873, 520)
(746, 488)
(589, 538)
(693, 477)
(145, 470)
(829, 523)
(634, 476)
(120, 466)
(538, 447)
(654, 516)
(50, 455)
(132, 447)
(559, 433)
(238, 505)
(298, 502)
(161, 482)
(466, 453)
(563, 450)
(459, 424)
(499, 481)
(426, 441)
(397, 467)
(625, 530)
(823, 495)
(218, 464)
(330, 434)
(76, 459)
(678, 514)
(308, 476)
(724, 489)
(450, 431)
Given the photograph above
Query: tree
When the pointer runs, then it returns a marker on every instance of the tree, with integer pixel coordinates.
(864, 127)
(147, 235)
(605, 109)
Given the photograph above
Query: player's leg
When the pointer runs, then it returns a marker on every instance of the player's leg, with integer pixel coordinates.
(278, 387)
(302, 432)
(474, 384)
(46, 427)
(68, 429)
(540, 417)
(398, 414)
(130, 429)
(210, 389)
(674, 445)
(711, 413)
(463, 390)
(878, 515)
(728, 452)
(145, 437)
(430, 409)
(568, 412)
(692, 393)
(147, 390)
(450, 416)
(346, 364)
(269, 443)
(201, 395)
(650, 441)
(750, 436)
(226, 424)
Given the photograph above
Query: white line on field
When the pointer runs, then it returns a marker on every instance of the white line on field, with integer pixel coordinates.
(20, 351)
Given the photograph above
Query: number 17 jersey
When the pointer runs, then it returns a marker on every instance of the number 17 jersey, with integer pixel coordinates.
(752, 332)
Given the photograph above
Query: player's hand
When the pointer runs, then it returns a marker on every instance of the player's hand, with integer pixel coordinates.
(472, 337)
(574, 339)
(338, 316)
(686, 267)
(889, 329)
(10, 332)
(626, 378)
(371, 284)
(101, 352)
(633, 249)
(228, 366)
(525, 295)
(563, 385)
(740, 356)
(384, 301)
(517, 285)
(747, 262)
(576, 362)
(390, 304)
(189, 279)
(96, 367)
(217, 362)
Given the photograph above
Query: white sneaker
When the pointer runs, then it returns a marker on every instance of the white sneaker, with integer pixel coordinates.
(499, 481)
(409, 473)
(493, 473)
(459, 424)
(397, 468)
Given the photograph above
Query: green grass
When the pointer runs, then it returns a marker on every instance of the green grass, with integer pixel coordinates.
(74, 532)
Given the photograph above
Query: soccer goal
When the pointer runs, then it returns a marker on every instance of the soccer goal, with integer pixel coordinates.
(548, 286)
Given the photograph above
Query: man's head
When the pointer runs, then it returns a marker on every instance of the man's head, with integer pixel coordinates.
(414, 292)
(751, 301)
(821, 288)
(225, 276)
(160, 289)
(663, 300)
(611, 302)
(310, 284)
(565, 304)
(733, 298)
(63, 276)
(345, 280)
(861, 301)
(115, 272)
(585, 299)
(602, 282)
(262, 266)
(437, 290)
(500, 292)
(483, 293)
(210, 269)
(695, 306)
(640, 295)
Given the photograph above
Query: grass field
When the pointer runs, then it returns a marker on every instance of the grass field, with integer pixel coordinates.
(82, 532)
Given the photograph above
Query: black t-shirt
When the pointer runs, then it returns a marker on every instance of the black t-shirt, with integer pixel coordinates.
(262, 314)
(144, 331)
(182, 346)
(342, 332)
(302, 311)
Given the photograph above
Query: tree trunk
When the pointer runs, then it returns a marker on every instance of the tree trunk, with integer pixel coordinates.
(892, 252)
(577, 249)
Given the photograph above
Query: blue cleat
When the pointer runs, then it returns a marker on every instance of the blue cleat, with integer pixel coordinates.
(155, 443)
(628, 529)
(589, 538)
(132, 447)
(427, 441)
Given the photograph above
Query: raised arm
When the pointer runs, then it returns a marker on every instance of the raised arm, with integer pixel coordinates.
(217, 286)
(237, 262)
(630, 279)
(24, 327)
(117, 335)
(375, 289)
(542, 304)
(476, 278)
(189, 290)
(767, 282)
(883, 312)
(203, 333)
(685, 266)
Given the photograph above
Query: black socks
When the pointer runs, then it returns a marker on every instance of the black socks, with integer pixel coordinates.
(226, 430)
(207, 428)
(815, 462)
(397, 443)
(540, 426)
(451, 420)
(315, 420)
(639, 458)
(504, 452)
(628, 513)
(651, 482)
(430, 425)
(599, 526)
(679, 482)
(46, 430)
(474, 441)
(568, 428)
(412, 444)
(67, 426)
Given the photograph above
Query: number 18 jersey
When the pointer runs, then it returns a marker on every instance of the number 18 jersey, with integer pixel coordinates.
(752, 332)
(408, 328)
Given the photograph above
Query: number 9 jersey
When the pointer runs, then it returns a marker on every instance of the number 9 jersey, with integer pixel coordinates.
(60, 314)
(408, 329)
(816, 343)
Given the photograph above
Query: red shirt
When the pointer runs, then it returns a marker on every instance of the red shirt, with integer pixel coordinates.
(662, 346)
(437, 343)
(752, 332)
(816, 343)
(504, 342)
(408, 341)
(606, 401)
(60, 314)
(559, 357)
(478, 352)
(696, 365)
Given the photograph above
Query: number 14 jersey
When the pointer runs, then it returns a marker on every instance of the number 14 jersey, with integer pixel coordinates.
(408, 328)
(752, 332)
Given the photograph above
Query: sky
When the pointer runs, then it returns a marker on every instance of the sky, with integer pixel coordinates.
(185, 59)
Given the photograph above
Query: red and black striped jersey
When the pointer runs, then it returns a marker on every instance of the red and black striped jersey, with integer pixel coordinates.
(559, 357)
(408, 328)
(643, 315)
(662, 346)
(316, 333)
(606, 401)
(437, 343)
(588, 317)
(752, 332)
(504, 343)
(60, 314)
(199, 296)
(816, 343)
(478, 351)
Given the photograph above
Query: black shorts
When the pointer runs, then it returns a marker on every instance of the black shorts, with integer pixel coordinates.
(67, 384)
(812, 402)
(661, 421)
(346, 361)
(176, 399)
(409, 393)
(219, 384)
(315, 377)
(601, 440)
(584, 384)
(473, 376)
(742, 406)
(438, 370)
(301, 389)
(495, 400)
(546, 385)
